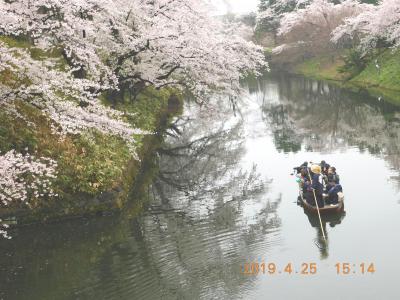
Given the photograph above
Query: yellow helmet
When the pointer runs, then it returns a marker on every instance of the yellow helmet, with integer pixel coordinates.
(316, 169)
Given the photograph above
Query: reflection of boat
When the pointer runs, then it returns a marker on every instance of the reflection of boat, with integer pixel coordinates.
(327, 209)
(326, 219)
(331, 219)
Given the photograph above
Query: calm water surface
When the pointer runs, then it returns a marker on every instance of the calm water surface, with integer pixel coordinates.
(224, 197)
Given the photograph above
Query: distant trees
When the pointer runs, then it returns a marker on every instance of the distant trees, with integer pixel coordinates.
(270, 12)
(376, 26)
(316, 26)
(312, 26)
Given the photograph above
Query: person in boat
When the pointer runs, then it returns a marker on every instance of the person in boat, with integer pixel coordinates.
(306, 186)
(301, 174)
(333, 197)
(304, 181)
(308, 193)
(304, 173)
(331, 178)
(324, 167)
(317, 185)
(301, 168)
(332, 175)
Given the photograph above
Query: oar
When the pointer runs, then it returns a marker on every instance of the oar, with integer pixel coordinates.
(316, 204)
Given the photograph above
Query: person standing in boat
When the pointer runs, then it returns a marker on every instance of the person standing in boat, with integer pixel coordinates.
(317, 184)
(305, 185)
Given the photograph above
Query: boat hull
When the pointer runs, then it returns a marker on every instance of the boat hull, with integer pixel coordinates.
(327, 209)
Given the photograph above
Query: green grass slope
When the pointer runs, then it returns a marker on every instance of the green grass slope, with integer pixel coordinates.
(384, 83)
(321, 67)
(389, 75)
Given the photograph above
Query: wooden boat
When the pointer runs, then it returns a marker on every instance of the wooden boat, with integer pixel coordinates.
(327, 209)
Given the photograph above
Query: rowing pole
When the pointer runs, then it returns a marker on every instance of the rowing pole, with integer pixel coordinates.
(316, 204)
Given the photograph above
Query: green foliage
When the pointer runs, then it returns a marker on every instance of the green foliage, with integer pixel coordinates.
(271, 24)
(354, 63)
(36, 53)
(322, 67)
(87, 164)
(15, 136)
(386, 76)
(370, 1)
(263, 5)
(381, 82)
(96, 165)
(278, 7)
(357, 69)
(146, 107)
(15, 42)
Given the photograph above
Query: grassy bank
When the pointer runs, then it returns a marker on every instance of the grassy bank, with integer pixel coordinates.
(323, 67)
(95, 171)
(383, 82)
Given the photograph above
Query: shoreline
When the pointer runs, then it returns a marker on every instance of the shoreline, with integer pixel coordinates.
(79, 204)
(380, 92)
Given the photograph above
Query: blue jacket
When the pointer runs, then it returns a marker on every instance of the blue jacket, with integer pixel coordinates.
(317, 184)
(306, 186)
(333, 194)
(335, 189)
(333, 178)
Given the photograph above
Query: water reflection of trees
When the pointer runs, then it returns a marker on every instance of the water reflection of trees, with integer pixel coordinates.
(207, 215)
(319, 116)
(325, 117)
(205, 159)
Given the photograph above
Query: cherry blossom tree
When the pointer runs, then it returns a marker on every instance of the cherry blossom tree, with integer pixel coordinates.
(23, 177)
(139, 43)
(182, 46)
(271, 11)
(42, 85)
(111, 44)
(375, 26)
(312, 26)
(107, 46)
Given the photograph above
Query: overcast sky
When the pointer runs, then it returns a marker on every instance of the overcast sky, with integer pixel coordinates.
(235, 6)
